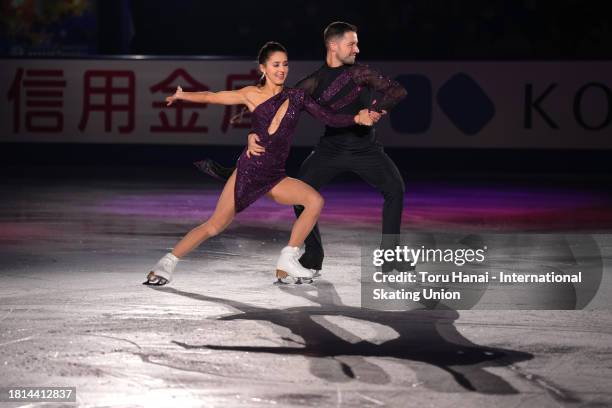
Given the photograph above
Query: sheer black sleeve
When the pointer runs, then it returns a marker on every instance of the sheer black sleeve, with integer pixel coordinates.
(308, 84)
(391, 91)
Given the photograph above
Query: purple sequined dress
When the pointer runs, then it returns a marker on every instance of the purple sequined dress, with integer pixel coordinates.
(257, 175)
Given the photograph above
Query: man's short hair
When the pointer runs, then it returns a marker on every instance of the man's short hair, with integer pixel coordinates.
(337, 29)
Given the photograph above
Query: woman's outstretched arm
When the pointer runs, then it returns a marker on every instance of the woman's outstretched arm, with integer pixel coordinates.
(237, 97)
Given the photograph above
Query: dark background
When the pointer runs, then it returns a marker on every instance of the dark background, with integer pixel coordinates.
(398, 29)
(390, 29)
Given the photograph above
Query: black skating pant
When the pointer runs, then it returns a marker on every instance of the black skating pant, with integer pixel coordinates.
(368, 160)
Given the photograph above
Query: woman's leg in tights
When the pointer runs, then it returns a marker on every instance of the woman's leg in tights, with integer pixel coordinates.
(291, 191)
(221, 218)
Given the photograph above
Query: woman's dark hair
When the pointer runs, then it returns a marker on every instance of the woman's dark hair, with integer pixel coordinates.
(264, 54)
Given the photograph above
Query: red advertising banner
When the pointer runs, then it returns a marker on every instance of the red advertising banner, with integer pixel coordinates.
(479, 104)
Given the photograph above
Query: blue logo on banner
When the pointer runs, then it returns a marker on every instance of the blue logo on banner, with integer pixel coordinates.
(461, 99)
(465, 104)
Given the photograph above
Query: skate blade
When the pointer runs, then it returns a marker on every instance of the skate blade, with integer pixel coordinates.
(154, 280)
(297, 281)
(283, 278)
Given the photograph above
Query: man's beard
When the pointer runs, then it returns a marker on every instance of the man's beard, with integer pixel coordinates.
(349, 60)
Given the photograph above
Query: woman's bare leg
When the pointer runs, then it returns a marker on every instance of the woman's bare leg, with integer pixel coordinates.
(222, 216)
(291, 191)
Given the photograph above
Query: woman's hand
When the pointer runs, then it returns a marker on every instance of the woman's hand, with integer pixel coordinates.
(253, 148)
(177, 96)
(364, 118)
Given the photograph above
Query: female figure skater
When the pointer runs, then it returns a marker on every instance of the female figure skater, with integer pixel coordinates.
(275, 112)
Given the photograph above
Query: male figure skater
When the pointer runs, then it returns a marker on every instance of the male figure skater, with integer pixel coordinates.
(345, 87)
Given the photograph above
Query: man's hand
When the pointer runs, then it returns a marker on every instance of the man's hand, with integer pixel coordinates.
(376, 115)
(253, 148)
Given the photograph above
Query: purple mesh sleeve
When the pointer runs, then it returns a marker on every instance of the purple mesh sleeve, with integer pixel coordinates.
(392, 92)
(325, 115)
